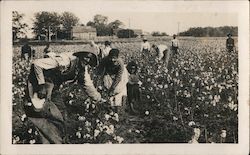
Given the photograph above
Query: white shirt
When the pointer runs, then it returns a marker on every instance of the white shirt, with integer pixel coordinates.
(106, 51)
(145, 45)
(161, 48)
(96, 49)
(175, 43)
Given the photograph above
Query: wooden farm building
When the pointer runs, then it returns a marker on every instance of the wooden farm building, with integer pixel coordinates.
(83, 32)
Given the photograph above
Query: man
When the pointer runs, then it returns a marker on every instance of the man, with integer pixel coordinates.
(45, 115)
(113, 74)
(46, 50)
(174, 45)
(26, 52)
(145, 46)
(163, 53)
(58, 68)
(105, 51)
(230, 43)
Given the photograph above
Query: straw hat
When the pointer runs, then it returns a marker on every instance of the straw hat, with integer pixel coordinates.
(87, 54)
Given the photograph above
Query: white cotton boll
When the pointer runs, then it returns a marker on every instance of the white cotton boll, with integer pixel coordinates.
(223, 133)
(160, 86)
(146, 112)
(70, 102)
(191, 123)
(119, 139)
(116, 117)
(175, 118)
(81, 118)
(112, 128)
(140, 83)
(78, 134)
(193, 141)
(96, 132)
(30, 131)
(165, 86)
(33, 141)
(23, 117)
(29, 104)
(87, 124)
(107, 117)
(71, 95)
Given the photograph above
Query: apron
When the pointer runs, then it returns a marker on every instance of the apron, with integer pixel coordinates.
(120, 90)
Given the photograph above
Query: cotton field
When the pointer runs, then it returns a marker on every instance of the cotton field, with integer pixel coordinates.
(197, 90)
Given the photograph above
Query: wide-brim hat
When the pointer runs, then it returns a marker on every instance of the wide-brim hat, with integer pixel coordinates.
(229, 34)
(145, 39)
(87, 54)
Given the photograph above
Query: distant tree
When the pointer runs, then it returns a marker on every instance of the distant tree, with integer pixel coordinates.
(102, 26)
(159, 33)
(116, 24)
(69, 20)
(18, 27)
(156, 33)
(210, 31)
(100, 20)
(100, 23)
(91, 23)
(164, 34)
(46, 23)
(126, 33)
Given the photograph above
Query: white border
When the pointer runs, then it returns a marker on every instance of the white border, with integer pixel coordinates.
(240, 7)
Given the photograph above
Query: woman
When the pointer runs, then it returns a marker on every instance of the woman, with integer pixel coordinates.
(113, 75)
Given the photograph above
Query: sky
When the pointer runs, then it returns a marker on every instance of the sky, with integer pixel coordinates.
(153, 21)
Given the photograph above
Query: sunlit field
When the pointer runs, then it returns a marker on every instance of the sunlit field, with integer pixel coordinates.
(199, 86)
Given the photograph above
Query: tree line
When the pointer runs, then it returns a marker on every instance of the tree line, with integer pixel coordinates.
(51, 24)
(47, 25)
(210, 31)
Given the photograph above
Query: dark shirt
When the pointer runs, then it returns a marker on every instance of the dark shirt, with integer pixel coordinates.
(26, 49)
(46, 50)
(106, 67)
(230, 43)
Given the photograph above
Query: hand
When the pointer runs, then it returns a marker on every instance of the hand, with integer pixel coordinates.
(111, 93)
(103, 100)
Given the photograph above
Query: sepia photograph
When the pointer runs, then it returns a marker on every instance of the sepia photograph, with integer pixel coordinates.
(152, 73)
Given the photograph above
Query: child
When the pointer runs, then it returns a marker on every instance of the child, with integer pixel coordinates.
(133, 86)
